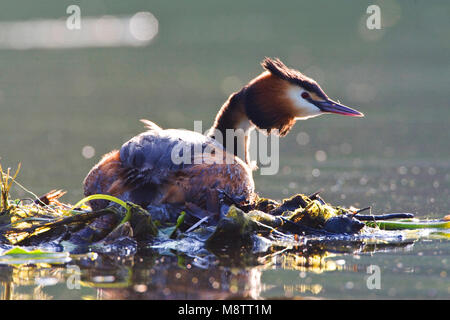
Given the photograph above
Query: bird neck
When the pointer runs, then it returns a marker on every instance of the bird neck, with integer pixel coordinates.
(232, 126)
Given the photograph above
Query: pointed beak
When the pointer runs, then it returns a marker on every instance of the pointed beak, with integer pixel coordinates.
(331, 106)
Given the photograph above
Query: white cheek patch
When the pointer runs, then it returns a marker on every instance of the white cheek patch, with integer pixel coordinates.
(305, 109)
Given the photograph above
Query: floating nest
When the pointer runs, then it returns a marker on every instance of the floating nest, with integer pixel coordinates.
(47, 222)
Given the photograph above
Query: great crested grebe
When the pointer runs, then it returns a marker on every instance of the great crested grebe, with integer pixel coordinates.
(143, 170)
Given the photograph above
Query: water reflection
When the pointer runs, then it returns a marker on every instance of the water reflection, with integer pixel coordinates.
(320, 269)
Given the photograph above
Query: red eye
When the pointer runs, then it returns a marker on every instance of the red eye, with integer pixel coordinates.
(305, 95)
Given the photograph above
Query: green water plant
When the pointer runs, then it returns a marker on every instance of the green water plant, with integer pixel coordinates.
(409, 224)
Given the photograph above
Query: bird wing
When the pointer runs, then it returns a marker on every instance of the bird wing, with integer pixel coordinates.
(154, 156)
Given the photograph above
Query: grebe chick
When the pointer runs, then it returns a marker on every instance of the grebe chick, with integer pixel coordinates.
(143, 170)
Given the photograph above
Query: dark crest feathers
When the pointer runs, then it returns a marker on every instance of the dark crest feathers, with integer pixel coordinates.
(279, 69)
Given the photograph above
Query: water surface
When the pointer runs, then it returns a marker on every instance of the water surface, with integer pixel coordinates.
(53, 103)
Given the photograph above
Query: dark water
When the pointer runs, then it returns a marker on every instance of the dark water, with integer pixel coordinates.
(53, 103)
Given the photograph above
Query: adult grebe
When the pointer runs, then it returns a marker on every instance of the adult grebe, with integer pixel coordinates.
(143, 170)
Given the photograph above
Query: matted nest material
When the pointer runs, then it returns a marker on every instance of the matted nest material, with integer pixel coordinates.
(299, 215)
(49, 220)
(46, 220)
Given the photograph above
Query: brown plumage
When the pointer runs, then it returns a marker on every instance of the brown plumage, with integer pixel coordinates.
(143, 171)
(260, 98)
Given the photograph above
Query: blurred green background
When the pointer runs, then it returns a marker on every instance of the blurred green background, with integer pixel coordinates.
(54, 102)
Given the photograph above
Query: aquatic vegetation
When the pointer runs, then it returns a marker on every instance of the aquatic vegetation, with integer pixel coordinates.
(6, 182)
(46, 223)
(410, 224)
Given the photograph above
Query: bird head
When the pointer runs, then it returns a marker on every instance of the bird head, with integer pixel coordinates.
(280, 96)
